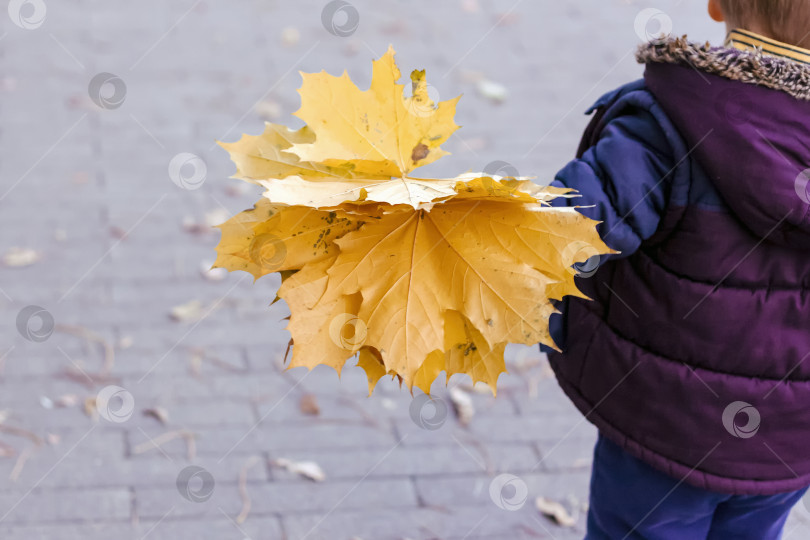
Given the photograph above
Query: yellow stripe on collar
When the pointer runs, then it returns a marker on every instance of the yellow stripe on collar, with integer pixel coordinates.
(746, 40)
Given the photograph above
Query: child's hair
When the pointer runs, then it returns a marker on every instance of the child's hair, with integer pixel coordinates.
(784, 20)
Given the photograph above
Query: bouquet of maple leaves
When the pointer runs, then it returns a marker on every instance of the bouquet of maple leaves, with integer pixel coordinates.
(415, 276)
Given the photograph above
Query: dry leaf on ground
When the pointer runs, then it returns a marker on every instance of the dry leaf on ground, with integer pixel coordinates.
(18, 257)
(161, 414)
(554, 511)
(307, 469)
(309, 405)
(188, 312)
(462, 405)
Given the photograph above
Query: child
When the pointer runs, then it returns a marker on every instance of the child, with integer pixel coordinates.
(690, 358)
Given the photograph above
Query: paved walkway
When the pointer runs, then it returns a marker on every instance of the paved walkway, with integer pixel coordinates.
(127, 423)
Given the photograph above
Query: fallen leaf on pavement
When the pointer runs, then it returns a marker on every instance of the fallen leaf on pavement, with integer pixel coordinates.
(307, 469)
(492, 90)
(157, 442)
(190, 311)
(554, 511)
(90, 408)
(18, 257)
(462, 405)
(158, 413)
(212, 274)
(211, 219)
(66, 400)
(246, 501)
(269, 110)
(125, 342)
(309, 405)
(290, 36)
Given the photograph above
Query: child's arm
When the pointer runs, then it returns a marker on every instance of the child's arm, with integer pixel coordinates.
(625, 176)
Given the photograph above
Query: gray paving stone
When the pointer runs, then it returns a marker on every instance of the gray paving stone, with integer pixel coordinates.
(423, 523)
(55, 419)
(566, 454)
(155, 503)
(471, 489)
(213, 441)
(58, 505)
(321, 379)
(282, 497)
(149, 372)
(90, 531)
(551, 427)
(80, 469)
(194, 413)
(168, 529)
(343, 405)
(420, 461)
(339, 435)
(254, 528)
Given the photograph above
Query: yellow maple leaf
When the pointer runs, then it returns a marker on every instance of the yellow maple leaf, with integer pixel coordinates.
(497, 263)
(370, 360)
(378, 130)
(275, 237)
(268, 156)
(414, 276)
(466, 352)
(360, 143)
(416, 193)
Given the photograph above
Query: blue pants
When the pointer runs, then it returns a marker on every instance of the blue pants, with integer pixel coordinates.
(633, 501)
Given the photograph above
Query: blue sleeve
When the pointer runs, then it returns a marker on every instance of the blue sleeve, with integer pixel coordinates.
(622, 180)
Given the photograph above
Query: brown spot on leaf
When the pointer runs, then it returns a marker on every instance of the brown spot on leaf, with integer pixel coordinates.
(420, 152)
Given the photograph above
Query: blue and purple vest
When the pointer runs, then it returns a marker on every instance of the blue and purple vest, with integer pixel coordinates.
(694, 354)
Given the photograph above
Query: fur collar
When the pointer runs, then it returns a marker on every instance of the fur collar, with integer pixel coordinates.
(752, 67)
